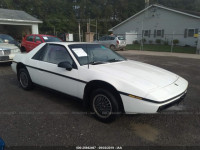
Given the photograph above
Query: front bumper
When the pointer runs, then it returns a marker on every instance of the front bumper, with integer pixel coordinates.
(5, 59)
(176, 102)
(174, 94)
(120, 46)
(136, 106)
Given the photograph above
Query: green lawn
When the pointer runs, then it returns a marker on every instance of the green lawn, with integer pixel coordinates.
(162, 48)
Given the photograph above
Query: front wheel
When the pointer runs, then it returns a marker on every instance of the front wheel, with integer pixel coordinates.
(23, 49)
(104, 105)
(24, 79)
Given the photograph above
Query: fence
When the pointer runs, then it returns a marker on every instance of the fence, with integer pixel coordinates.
(165, 43)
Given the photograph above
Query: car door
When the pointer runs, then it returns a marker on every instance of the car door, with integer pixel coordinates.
(29, 43)
(48, 74)
(37, 41)
(108, 41)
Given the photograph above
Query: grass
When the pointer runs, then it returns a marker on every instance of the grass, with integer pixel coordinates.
(162, 48)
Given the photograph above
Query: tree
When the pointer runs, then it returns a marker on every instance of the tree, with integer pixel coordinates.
(64, 15)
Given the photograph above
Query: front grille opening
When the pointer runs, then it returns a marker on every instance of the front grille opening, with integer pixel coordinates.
(171, 104)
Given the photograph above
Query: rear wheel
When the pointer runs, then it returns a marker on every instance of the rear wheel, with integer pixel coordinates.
(104, 105)
(113, 47)
(24, 79)
(123, 49)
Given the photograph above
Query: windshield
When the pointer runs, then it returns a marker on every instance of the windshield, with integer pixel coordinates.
(121, 38)
(51, 39)
(94, 54)
(6, 37)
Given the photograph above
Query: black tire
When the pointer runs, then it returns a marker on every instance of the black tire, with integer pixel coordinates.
(24, 79)
(123, 49)
(112, 47)
(104, 105)
(23, 49)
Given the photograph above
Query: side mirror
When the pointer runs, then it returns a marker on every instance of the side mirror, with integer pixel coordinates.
(66, 65)
(38, 42)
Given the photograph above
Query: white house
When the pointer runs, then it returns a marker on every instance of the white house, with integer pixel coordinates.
(162, 23)
(15, 22)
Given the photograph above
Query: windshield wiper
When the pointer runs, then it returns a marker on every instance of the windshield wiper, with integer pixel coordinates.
(97, 62)
(114, 60)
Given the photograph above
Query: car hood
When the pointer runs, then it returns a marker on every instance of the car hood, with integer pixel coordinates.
(8, 46)
(138, 73)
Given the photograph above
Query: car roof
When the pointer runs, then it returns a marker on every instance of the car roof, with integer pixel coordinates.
(71, 43)
(40, 35)
(6, 34)
(114, 36)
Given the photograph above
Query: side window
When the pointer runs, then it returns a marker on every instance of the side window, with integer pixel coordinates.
(108, 38)
(40, 54)
(102, 38)
(37, 38)
(112, 38)
(30, 38)
(56, 54)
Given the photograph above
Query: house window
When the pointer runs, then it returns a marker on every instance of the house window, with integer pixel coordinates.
(190, 32)
(159, 33)
(146, 33)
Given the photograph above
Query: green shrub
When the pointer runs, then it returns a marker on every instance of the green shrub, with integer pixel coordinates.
(175, 42)
(158, 41)
(144, 40)
(166, 42)
(135, 42)
(150, 41)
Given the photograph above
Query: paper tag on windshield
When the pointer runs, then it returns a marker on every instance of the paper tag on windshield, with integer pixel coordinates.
(80, 52)
(46, 38)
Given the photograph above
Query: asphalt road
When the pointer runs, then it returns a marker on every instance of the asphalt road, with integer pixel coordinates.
(45, 118)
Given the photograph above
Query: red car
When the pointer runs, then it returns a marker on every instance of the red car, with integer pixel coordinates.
(31, 41)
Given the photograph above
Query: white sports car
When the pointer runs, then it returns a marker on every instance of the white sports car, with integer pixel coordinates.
(107, 82)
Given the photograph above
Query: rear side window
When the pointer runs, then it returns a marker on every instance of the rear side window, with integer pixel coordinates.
(30, 38)
(121, 38)
(112, 38)
(40, 54)
(37, 38)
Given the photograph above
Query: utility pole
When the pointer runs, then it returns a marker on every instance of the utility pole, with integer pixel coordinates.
(79, 31)
(96, 30)
(89, 29)
(54, 30)
(146, 3)
(142, 29)
(93, 25)
(198, 44)
(172, 46)
(88, 26)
